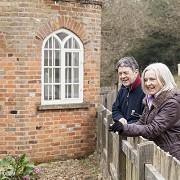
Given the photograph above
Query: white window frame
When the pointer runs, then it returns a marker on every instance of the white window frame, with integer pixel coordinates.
(63, 99)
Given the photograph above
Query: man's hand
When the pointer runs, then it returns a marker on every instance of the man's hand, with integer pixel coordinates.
(117, 126)
(123, 121)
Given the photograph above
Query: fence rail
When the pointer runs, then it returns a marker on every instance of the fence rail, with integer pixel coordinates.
(133, 158)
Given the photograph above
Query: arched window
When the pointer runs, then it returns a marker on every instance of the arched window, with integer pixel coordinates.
(62, 68)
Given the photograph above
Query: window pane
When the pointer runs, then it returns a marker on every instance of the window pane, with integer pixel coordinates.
(62, 35)
(50, 92)
(68, 44)
(57, 91)
(68, 91)
(50, 42)
(45, 75)
(76, 91)
(68, 59)
(56, 44)
(57, 75)
(57, 57)
(75, 44)
(46, 92)
(76, 59)
(50, 57)
(68, 75)
(50, 75)
(61, 80)
(45, 58)
(76, 75)
(46, 45)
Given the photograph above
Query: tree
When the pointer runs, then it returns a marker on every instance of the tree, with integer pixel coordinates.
(128, 23)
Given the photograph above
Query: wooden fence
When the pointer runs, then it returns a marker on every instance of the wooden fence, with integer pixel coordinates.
(133, 158)
(108, 95)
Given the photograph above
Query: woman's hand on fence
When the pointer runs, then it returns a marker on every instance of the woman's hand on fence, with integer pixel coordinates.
(123, 121)
(117, 127)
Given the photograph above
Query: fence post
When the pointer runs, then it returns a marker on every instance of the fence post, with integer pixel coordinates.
(122, 160)
(103, 135)
(109, 142)
(144, 155)
(102, 114)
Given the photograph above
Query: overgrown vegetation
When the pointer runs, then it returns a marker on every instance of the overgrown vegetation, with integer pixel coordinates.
(157, 47)
(146, 29)
(17, 168)
(95, 169)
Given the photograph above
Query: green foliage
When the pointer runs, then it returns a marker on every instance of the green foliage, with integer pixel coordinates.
(17, 168)
(85, 161)
(157, 7)
(146, 29)
(95, 170)
(157, 47)
(111, 78)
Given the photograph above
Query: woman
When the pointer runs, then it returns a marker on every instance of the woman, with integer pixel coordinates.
(160, 121)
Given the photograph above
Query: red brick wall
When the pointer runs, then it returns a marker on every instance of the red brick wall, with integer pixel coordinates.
(45, 134)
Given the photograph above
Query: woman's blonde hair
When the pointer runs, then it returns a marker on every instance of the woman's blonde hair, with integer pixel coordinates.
(163, 75)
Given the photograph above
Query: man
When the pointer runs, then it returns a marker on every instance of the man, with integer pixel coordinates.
(128, 104)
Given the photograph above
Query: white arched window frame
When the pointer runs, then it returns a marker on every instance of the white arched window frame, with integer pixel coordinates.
(62, 69)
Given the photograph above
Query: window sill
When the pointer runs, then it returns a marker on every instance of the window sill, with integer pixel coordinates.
(83, 105)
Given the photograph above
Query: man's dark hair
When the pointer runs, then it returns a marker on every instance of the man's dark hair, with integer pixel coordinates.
(127, 62)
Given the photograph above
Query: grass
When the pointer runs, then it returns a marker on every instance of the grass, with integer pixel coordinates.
(93, 163)
(96, 170)
(85, 161)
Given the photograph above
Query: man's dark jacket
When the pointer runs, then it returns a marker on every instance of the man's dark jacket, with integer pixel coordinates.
(128, 99)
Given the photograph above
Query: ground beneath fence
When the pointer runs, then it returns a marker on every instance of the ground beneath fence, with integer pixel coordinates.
(84, 169)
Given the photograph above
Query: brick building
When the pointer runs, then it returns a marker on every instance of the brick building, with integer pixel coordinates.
(49, 77)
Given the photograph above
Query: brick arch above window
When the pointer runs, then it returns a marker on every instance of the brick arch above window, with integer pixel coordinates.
(66, 23)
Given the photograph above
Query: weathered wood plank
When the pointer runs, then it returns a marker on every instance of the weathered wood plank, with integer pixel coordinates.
(113, 172)
(174, 169)
(130, 152)
(144, 155)
(122, 160)
(151, 173)
(109, 141)
(143, 159)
